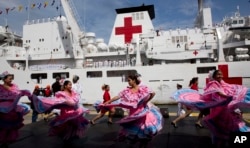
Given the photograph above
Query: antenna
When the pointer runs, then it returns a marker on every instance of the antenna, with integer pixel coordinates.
(84, 15)
(60, 8)
(237, 13)
(28, 9)
(6, 25)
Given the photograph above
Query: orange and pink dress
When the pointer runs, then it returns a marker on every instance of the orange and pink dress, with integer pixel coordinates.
(144, 120)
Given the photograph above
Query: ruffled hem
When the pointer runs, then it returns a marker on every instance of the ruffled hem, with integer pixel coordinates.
(43, 104)
(143, 127)
(221, 122)
(11, 120)
(193, 99)
(72, 128)
(8, 136)
(10, 123)
(70, 115)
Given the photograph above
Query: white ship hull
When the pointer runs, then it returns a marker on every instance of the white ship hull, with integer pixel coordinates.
(161, 78)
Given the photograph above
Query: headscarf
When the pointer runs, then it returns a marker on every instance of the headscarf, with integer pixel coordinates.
(210, 74)
(4, 74)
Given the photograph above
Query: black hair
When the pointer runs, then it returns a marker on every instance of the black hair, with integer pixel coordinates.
(105, 86)
(66, 82)
(135, 78)
(215, 73)
(75, 78)
(179, 85)
(193, 80)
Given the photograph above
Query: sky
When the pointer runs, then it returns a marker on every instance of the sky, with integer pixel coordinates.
(98, 16)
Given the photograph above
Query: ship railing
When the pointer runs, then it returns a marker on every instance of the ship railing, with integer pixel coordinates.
(47, 67)
(115, 63)
(43, 20)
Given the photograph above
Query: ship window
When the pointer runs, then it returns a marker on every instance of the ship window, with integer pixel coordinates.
(165, 80)
(137, 16)
(234, 22)
(181, 39)
(185, 38)
(133, 16)
(36, 75)
(177, 80)
(94, 74)
(154, 80)
(241, 21)
(39, 77)
(205, 69)
(119, 73)
(177, 38)
(173, 40)
(142, 16)
(60, 74)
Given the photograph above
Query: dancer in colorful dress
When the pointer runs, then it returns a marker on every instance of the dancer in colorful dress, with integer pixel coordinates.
(193, 85)
(144, 120)
(106, 97)
(11, 111)
(222, 99)
(70, 123)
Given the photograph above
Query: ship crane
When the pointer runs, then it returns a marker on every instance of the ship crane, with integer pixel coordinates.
(74, 27)
(72, 17)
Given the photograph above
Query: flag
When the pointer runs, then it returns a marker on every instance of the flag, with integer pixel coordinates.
(45, 4)
(7, 10)
(20, 8)
(39, 5)
(33, 6)
(13, 8)
(53, 2)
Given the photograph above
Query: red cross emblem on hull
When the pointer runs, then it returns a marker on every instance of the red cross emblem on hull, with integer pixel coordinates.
(128, 30)
(195, 52)
(226, 78)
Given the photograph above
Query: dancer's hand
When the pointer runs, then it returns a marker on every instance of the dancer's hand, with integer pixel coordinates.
(108, 102)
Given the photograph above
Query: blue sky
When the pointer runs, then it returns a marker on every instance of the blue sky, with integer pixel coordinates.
(99, 15)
